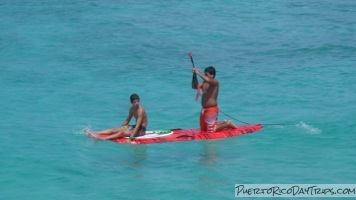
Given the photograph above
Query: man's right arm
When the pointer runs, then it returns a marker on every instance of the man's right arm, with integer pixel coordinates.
(195, 82)
(128, 119)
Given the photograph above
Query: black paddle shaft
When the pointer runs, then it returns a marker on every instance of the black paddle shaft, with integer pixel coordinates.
(195, 78)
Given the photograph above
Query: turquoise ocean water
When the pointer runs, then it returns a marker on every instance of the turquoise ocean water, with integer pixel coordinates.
(67, 65)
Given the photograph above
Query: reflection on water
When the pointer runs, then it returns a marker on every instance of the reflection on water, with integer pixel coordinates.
(210, 176)
(138, 155)
(208, 154)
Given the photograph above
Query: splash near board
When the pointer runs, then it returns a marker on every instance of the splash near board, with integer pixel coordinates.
(176, 135)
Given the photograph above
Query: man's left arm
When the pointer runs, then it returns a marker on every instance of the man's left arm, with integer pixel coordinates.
(211, 81)
(138, 124)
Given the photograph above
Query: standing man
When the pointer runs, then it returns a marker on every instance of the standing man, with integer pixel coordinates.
(209, 114)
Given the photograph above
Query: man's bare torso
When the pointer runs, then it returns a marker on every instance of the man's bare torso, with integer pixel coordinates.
(136, 112)
(210, 95)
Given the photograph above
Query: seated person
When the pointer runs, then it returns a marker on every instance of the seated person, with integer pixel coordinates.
(137, 111)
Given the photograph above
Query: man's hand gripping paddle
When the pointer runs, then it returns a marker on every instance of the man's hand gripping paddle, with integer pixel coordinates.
(195, 78)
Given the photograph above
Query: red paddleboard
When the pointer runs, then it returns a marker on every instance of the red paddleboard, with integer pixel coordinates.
(175, 135)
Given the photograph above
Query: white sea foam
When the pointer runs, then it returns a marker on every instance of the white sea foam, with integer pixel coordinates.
(81, 130)
(78, 130)
(309, 128)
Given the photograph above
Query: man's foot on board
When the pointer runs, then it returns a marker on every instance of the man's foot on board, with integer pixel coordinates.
(231, 125)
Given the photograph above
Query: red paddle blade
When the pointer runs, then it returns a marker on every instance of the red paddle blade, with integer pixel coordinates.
(190, 54)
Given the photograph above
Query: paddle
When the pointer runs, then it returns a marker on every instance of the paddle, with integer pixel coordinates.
(195, 78)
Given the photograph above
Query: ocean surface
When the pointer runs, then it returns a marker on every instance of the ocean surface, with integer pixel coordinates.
(67, 65)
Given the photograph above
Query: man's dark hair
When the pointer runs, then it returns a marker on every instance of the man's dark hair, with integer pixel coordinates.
(134, 97)
(210, 70)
